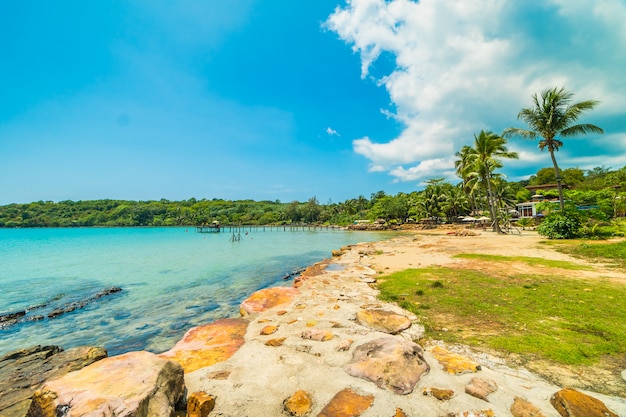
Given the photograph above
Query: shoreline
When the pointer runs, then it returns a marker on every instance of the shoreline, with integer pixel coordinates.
(301, 341)
(258, 378)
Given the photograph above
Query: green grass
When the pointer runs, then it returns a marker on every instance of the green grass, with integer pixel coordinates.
(570, 321)
(611, 253)
(527, 260)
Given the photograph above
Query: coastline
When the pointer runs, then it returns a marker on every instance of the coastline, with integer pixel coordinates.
(259, 377)
(297, 344)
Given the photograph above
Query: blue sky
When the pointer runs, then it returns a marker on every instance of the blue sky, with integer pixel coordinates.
(290, 99)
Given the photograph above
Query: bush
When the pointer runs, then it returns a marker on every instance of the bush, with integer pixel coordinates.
(561, 225)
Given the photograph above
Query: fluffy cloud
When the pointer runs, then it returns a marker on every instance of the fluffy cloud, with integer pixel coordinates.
(465, 66)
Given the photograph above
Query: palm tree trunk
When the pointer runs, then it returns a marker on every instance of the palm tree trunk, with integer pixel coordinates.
(557, 172)
(494, 215)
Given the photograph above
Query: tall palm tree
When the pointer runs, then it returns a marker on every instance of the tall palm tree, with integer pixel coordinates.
(551, 116)
(484, 158)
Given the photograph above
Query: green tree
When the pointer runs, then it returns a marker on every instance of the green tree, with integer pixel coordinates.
(552, 116)
(482, 160)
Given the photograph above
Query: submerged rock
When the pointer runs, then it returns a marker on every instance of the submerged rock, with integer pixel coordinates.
(136, 384)
(24, 371)
(390, 363)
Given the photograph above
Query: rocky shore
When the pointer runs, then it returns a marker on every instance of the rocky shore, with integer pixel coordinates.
(324, 347)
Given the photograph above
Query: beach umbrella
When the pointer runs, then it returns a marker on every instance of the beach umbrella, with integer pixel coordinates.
(468, 219)
(483, 218)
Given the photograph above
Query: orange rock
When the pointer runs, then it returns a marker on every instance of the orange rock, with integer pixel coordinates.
(440, 394)
(267, 298)
(292, 321)
(319, 335)
(399, 413)
(523, 408)
(281, 313)
(347, 403)
(299, 404)
(571, 403)
(275, 342)
(481, 388)
(200, 404)
(206, 345)
(453, 363)
(383, 320)
(268, 330)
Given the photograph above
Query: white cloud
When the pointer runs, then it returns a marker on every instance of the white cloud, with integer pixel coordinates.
(465, 66)
(331, 132)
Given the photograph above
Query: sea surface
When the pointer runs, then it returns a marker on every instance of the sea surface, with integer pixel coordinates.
(172, 279)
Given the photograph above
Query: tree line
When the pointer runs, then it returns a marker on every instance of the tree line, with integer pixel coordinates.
(482, 189)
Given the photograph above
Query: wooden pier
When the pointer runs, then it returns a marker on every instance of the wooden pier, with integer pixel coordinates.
(218, 228)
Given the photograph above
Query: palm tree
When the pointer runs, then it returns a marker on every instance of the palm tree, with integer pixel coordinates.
(484, 159)
(553, 116)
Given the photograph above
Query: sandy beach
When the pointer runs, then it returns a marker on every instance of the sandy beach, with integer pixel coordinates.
(306, 343)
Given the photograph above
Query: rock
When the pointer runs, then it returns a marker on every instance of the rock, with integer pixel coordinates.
(479, 413)
(453, 363)
(209, 344)
(299, 404)
(344, 345)
(571, 403)
(383, 320)
(480, 388)
(523, 408)
(439, 393)
(347, 403)
(389, 362)
(267, 298)
(268, 330)
(136, 384)
(200, 404)
(399, 413)
(319, 335)
(276, 342)
(22, 372)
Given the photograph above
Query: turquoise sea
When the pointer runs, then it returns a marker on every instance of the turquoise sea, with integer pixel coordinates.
(172, 279)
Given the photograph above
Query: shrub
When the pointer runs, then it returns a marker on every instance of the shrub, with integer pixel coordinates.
(561, 225)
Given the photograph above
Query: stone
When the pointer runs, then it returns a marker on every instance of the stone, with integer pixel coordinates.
(571, 403)
(24, 371)
(200, 404)
(524, 408)
(399, 413)
(319, 335)
(480, 388)
(276, 342)
(268, 330)
(344, 345)
(136, 384)
(347, 403)
(479, 413)
(389, 362)
(267, 298)
(454, 363)
(383, 320)
(299, 404)
(439, 393)
(209, 344)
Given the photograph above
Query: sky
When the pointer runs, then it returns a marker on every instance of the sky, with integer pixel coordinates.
(288, 100)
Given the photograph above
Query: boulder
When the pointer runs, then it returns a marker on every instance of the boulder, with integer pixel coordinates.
(389, 362)
(383, 320)
(267, 298)
(136, 384)
(571, 403)
(347, 403)
(207, 345)
(453, 363)
(24, 371)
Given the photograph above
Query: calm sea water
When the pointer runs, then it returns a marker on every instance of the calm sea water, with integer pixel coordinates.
(171, 278)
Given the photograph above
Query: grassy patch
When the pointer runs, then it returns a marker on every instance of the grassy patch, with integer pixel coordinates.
(571, 321)
(613, 253)
(527, 260)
